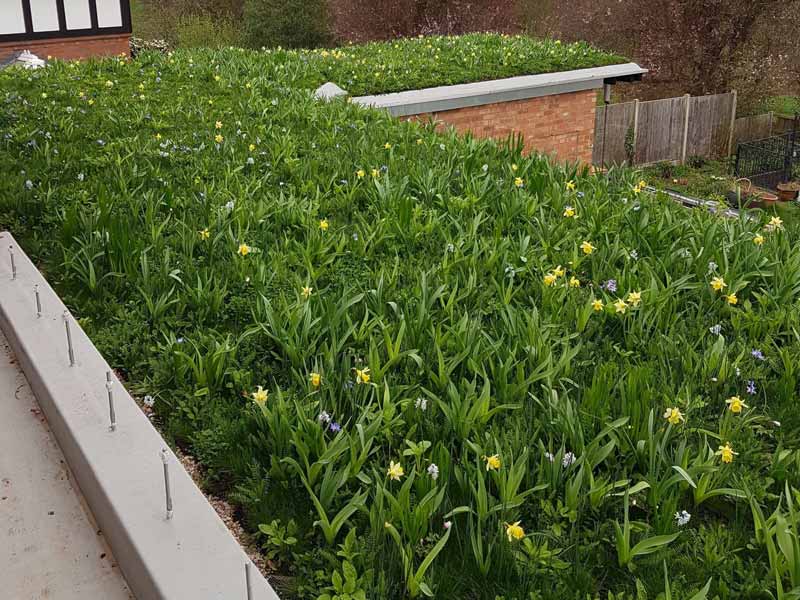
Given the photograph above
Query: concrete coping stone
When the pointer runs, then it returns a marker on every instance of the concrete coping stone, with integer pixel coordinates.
(120, 473)
(451, 97)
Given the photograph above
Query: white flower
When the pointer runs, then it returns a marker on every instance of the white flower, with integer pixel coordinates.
(250, 160)
(421, 403)
(569, 459)
(149, 401)
(450, 247)
(634, 254)
(682, 518)
(29, 184)
(712, 266)
(324, 417)
(716, 329)
(229, 205)
(448, 524)
(433, 471)
(549, 456)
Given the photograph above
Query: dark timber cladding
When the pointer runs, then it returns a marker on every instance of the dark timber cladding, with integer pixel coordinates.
(8, 8)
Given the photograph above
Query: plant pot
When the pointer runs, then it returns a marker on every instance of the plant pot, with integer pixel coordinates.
(766, 199)
(788, 191)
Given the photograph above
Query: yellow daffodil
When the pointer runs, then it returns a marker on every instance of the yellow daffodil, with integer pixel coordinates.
(559, 271)
(718, 284)
(218, 125)
(514, 167)
(109, 84)
(91, 101)
(362, 375)
(260, 396)
(376, 173)
(574, 282)
(419, 141)
(514, 531)
(217, 78)
(597, 305)
(735, 404)
(570, 185)
(360, 173)
(673, 415)
(550, 279)
(323, 224)
(387, 146)
(158, 136)
(726, 453)
(244, 250)
(492, 462)
(518, 181)
(204, 234)
(775, 223)
(634, 298)
(642, 184)
(758, 240)
(587, 247)
(621, 306)
(395, 471)
(252, 147)
(316, 379)
(731, 299)
(218, 138)
(569, 212)
(307, 292)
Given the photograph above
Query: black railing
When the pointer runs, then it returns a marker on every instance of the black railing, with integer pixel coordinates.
(770, 161)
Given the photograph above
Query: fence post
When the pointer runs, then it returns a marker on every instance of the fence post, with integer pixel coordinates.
(733, 123)
(635, 127)
(685, 129)
(771, 120)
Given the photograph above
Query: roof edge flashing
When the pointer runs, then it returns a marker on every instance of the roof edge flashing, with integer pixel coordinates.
(451, 97)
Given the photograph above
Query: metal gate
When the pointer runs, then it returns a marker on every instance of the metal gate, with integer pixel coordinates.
(770, 161)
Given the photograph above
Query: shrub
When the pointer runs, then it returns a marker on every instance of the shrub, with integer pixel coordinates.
(286, 23)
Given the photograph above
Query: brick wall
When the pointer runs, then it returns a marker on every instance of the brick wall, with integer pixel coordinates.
(72, 48)
(561, 125)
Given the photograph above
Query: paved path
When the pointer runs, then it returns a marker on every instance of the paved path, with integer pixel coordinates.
(50, 547)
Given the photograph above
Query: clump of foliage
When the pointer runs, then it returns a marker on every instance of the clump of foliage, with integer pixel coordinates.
(425, 364)
(286, 23)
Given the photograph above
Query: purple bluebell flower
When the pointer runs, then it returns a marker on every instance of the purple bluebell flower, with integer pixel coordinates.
(580, 194)
(751, 387)
(758, 354)
(335, 427)
(611, 285)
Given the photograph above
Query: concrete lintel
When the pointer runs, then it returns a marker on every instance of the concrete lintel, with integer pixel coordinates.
(451, 97)
(192, 555)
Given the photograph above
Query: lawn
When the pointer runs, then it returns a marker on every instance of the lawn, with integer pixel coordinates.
(419, 364)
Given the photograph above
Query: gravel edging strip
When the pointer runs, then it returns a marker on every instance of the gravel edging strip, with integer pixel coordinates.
(192, 555)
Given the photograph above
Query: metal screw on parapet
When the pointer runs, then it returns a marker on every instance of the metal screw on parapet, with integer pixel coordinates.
(69, 340)
(111, 413)
(165, 460)
(248, 580)
(38, 301)
(13, 263)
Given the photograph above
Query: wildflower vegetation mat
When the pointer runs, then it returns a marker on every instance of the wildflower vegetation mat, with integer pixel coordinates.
(419, 364)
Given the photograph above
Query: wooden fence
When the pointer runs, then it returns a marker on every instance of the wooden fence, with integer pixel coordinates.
(671, 129)
(758, 127)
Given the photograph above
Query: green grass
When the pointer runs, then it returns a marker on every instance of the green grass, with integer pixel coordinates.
(783, 105)
(448, 268)
(414, 63)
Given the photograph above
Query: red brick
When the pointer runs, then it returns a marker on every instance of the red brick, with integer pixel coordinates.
(72, 48)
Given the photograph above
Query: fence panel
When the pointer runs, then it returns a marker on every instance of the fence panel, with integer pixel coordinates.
(660, 130)
(747, 129)
(709, 125)
(609, 142)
